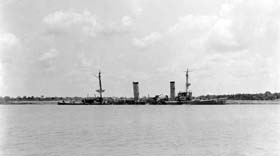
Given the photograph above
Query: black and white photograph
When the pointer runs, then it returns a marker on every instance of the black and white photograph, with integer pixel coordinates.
(139, 78)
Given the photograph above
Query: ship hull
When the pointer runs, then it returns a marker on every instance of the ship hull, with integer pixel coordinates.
(70, 103)
(188, 102)
(197, 102)
(207, 103)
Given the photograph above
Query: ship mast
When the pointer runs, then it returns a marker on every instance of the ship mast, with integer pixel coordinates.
(187, 81)
(100, 91)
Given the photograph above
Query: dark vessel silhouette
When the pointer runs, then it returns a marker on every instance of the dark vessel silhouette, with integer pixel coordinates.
(182, 97)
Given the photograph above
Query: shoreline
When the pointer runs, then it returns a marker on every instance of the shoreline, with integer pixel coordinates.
(228, 102)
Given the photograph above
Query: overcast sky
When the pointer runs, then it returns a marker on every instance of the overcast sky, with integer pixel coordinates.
(55, 48)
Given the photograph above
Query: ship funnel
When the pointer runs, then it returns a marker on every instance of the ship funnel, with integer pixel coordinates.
(172, 91)
(136, 91)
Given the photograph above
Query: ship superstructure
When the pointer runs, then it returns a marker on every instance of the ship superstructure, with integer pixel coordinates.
(187, 95)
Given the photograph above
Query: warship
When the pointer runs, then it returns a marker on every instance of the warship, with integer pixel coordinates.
(183, 98)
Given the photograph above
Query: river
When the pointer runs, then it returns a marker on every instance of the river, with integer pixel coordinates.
(146, 130)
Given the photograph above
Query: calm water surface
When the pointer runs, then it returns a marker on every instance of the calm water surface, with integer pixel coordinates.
(52, 130)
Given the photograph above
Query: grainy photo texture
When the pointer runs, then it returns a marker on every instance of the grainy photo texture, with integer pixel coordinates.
(139, 78)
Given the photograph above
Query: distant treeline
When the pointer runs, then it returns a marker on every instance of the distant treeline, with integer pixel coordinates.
(41, 98)
(57, 98)
(259, 96)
